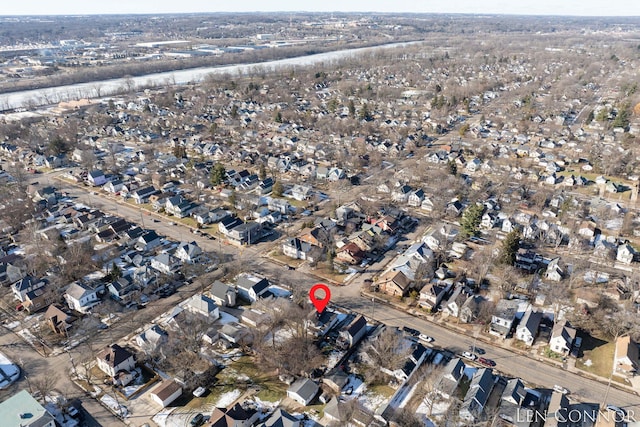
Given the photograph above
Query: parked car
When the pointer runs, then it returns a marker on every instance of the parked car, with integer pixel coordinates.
(486, 362)
(196, 421)
(469, 355)
(476, 350)
(426, 338)
(560, 389)
(411, 331)
(199, 391)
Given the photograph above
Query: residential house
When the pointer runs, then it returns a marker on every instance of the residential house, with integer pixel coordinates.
(234, 416)
(432, 294)
(189, 253)
(122, 289)
(229, 223)
(113, 186)
(471, 308)
(9, 270)
(354, 332)
(503, 317)
(557, 410)
(38, 299)
(96, 177)
(59, 320)
(165, 263)
(301, 192)
(142, 195)
(627, 360)
(350, 254)
(151, 339)
(476, 398)
(81, 297)
(114, 359)
(303, 391)
(451, 375)
(148, 241)
(554, 271)
(401, 194)
(25, 285)
(250, 288)
(625, 253)
(336, 380)
(166, 392)
(527, 329)
(416, 198)
(296, 248)
(412, 259)
(281, 418)
(222, 294)
(511, 410)
(202, 305)
(455, 302)
(322, 323)
(562, 337)
(246, 233)
(22, 410)
(394, 283)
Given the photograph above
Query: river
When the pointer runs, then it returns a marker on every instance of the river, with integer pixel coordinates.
(49, 96)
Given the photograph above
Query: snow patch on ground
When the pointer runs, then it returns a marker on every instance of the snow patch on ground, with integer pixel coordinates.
(227, 399)
(588, 362)
(371, 401)
(439, 408)
(12, 325)
(111, 402)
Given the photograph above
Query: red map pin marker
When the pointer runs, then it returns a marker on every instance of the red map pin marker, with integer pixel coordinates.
(319, 303)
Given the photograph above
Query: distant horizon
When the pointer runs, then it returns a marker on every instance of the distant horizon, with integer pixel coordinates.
(547, 8)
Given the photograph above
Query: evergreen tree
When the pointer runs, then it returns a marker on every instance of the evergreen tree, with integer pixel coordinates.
(277, 189)
(217, 174)
(510, 246)
(470, 222)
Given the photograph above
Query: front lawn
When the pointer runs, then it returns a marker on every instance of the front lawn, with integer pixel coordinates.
(597, 360)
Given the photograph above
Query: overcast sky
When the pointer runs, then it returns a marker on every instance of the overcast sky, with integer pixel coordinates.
(526, 7)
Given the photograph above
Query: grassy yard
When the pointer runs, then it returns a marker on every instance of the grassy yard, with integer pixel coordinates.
(271, 388)
(383, 390)
(322, 270)
(279, 256)
(601, 358)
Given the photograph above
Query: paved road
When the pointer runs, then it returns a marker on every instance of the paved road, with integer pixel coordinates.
(530, 370)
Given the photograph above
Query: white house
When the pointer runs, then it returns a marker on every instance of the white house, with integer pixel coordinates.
(296, 248)
(96, 177)
(562, 337)
(250, 288)
(188, 252)
(115, 359)
(527, 330)
(166, 392)
(81, 297)
(203, 305)
(625, 253)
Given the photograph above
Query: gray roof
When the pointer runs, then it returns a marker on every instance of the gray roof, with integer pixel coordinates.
(531, 320)
(305, 388)
(281, 418)
(202, 303)
(478, 393)
(77, 290)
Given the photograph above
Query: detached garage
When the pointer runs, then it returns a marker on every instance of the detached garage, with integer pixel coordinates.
(166, 392)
